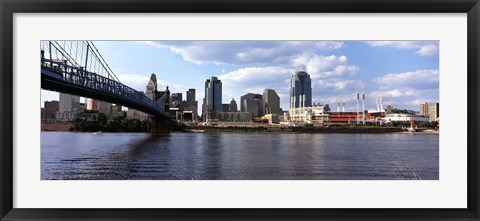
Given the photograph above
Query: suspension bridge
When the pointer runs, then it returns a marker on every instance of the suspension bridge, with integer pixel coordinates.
(77, 68)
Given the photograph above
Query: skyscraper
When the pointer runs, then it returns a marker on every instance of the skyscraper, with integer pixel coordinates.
(69, 107)
(233, 106)
(253, 107)
(151, 86)
(190, 105)
(271, 102)
(252, 103)
(300, 88)
(176, 99)
(68, 102)
(190, 96)
(213, 96)
(152, 93)
(431, 110)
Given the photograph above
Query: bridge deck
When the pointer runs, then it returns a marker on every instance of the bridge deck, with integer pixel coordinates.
(61, 77)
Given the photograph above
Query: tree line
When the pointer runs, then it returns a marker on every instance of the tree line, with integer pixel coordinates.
(100, 122)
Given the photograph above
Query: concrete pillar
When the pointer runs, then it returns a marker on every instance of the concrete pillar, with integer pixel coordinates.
(160, 125)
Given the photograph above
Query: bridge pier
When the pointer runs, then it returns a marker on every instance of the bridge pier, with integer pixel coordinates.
(160, 125)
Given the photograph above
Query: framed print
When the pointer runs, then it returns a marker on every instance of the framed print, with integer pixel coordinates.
(239, 110)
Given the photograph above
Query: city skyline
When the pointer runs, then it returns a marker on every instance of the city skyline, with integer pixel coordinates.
(402, 73)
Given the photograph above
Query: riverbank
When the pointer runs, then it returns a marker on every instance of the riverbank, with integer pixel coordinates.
(232, 129)
(66, 126)
(56, 126)
(425, 132)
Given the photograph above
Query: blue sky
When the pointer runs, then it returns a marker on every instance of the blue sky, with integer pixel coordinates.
(402, 73)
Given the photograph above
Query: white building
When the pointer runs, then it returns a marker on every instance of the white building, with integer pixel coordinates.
(135, 114)
(404, 118)
(69, 107)
(313, 115)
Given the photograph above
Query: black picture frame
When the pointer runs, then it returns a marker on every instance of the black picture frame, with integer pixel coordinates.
(9, 7)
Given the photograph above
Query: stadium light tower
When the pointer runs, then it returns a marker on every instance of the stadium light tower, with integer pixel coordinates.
(358, 98)
(363, 108)
(381, 105)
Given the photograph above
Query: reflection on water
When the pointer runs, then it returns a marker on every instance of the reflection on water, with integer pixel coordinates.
(226, 156)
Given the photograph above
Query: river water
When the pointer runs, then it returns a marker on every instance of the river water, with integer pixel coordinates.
(242, 156)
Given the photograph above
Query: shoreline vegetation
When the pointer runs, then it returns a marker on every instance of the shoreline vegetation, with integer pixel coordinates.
(351, 129)
(96, 123)
(121, 124)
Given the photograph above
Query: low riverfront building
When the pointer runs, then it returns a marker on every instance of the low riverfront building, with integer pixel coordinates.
(405, 118)
(313, 115)
(346, 117)
(233, 116)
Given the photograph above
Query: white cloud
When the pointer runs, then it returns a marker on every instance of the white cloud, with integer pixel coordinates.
(139, 83)
(254, 80)
(339, 98)
(421, 79)
(341, 70)
(337, 85)
(256, 90)
(329, 44)
(323, 85)
(135, 81)
(396, 93)
(256, 76)
(319, 66)
(349, 84)
(424, 48)
(243, 52)
(428, 50)
(417, 102)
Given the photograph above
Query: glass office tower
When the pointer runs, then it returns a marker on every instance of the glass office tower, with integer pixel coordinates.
(300, 88)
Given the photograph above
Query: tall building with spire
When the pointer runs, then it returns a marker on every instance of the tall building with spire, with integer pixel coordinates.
(300, 88)
(151, 86)
(233, 106)
(150, 90)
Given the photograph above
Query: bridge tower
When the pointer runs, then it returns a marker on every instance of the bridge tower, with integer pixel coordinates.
(160, 124)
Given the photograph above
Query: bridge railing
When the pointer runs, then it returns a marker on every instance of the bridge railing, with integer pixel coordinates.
(80, 77)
